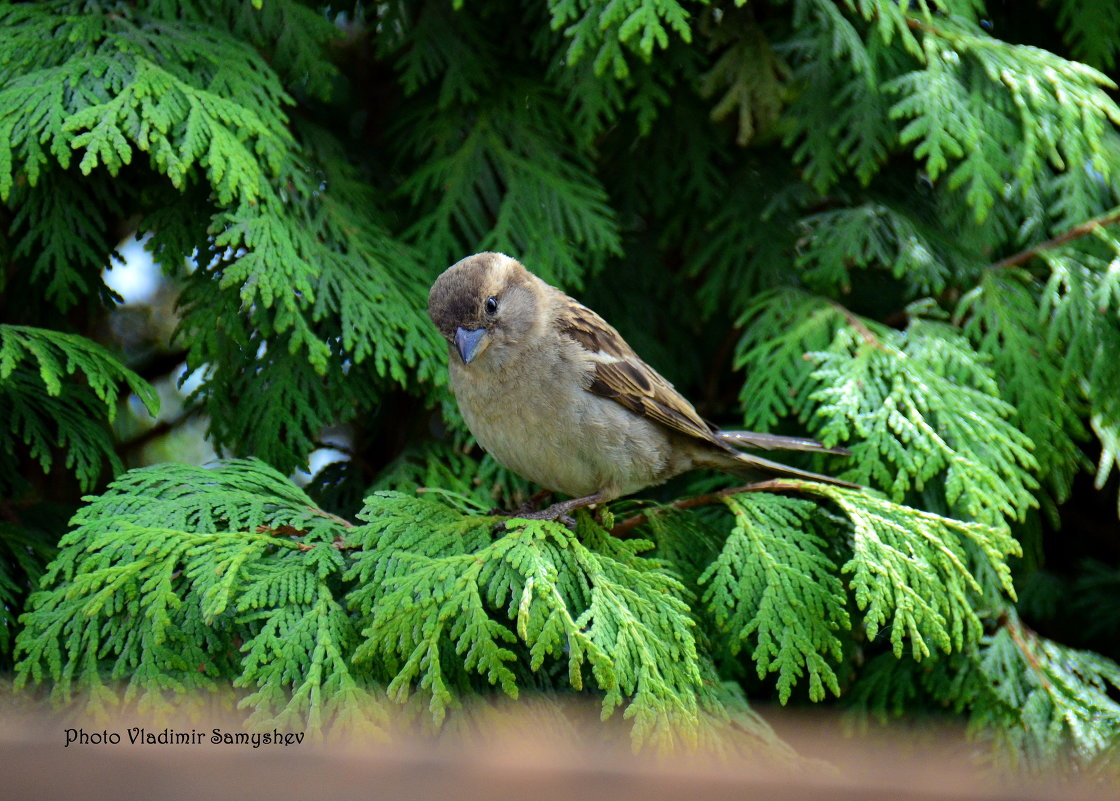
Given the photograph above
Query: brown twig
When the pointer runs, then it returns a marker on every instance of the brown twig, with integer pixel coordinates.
(860, 326)
(706, 499)
(1019, 633)
(340, 520)
(291, 531)
(1014, 260)
(1078, 231)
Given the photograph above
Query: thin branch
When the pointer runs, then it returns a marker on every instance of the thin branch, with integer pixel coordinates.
(292, 532)
(706, 499)
(1019, 634)
(322, 513)
(1078, 231)
(860, 326)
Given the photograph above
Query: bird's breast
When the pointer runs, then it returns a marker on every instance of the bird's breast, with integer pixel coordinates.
(534, 416)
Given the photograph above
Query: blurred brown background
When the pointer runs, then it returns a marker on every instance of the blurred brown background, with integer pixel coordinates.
(516, 753)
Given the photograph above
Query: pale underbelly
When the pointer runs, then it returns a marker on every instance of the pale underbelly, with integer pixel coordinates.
(576, 448)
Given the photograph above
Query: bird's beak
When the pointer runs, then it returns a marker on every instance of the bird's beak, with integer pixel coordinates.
(470, 344)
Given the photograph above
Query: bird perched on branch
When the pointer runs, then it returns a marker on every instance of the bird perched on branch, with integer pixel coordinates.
(556, 395)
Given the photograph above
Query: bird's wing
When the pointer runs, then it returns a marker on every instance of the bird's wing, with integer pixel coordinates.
(616, 372)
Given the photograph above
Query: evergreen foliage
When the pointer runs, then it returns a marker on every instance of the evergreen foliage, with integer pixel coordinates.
(432, 597)
(46, 413)
(895, 219)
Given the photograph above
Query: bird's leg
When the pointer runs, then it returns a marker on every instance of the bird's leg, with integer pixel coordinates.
(561, 510)
(528, 506)
(531, 505)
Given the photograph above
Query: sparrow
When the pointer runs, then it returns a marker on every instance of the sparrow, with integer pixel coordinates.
(554, 393)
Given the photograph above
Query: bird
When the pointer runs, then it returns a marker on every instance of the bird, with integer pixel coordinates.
(555, 394)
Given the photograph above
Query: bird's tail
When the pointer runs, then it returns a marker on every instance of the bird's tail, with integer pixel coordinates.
(769, 442)
(754, 467)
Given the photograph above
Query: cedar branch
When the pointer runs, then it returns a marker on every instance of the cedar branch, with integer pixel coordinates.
(706, 499)
(1076, 232)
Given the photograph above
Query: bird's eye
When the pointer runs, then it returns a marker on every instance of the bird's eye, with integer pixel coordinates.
(491, 306)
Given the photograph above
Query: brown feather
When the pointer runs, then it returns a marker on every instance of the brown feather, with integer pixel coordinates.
(630, 381)
(767, 442)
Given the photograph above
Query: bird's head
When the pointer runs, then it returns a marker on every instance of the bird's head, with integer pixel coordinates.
(486, 301)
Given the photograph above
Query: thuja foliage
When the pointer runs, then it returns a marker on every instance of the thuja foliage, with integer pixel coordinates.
(432, 598)
(886, 224)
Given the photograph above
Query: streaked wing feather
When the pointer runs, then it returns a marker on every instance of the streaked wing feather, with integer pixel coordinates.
(647, 394)
(620, 375)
